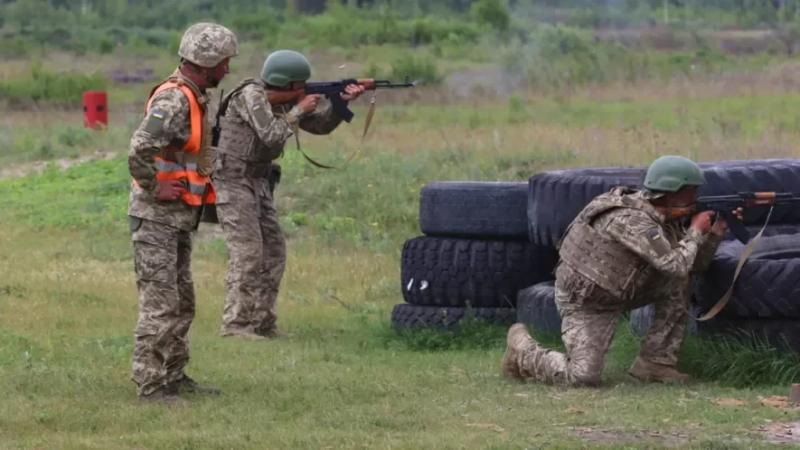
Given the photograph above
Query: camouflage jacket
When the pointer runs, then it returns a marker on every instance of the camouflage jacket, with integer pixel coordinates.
(166, 122)
(253, 131)
(669, 248)
(622, 243)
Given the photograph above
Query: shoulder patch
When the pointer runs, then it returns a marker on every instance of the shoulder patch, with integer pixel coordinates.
(260, 116)
(657, 241)
(155, 121)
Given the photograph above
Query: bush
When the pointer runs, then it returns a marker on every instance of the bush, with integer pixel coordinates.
(350, 27)
(492, 13)
(14, 47)
(419, 68)
(562, 56)
(44, 86)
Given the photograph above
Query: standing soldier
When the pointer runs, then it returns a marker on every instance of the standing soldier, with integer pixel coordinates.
(168, 161)
(252, 134)
(626, 249)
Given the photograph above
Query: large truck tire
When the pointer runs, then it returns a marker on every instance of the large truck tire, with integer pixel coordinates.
(768, 285)
(405, 316)
(468, 209)
(477, 273)
(536, 307)
(555, 198)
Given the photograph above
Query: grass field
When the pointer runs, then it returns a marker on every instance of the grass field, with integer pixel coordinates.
(343, 378)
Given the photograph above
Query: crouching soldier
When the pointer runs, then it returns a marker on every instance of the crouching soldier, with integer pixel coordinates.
(626, 249)
(252, 134)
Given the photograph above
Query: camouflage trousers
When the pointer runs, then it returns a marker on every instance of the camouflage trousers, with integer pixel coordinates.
(162, 256)
(256, 251)
(589, 317)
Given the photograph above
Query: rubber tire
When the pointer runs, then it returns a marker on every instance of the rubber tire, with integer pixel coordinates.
(405, 316)
(478, 273)
(474, 209)
(640, 320)
(768, 286)
(771, 230)
(555, 198)
(783, 334)
(536, 307)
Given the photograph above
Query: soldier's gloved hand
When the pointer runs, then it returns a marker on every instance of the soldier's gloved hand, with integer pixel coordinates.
(701, 222)
(309, 103)
(170, 190)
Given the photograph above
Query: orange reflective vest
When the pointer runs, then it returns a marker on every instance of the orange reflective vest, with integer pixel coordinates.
(181, 163)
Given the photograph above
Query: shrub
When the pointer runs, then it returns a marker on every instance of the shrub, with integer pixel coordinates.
(420, 68)
(45, 86)
(492, 13)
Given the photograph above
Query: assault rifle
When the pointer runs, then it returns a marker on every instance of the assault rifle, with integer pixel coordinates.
(333, 90)
(724, 205)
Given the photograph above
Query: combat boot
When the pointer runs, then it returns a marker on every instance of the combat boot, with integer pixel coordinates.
(649, 371)
(517, 341)
(187, 384)
(165, 395)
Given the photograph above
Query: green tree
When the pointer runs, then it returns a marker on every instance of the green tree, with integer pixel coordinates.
(493, 13)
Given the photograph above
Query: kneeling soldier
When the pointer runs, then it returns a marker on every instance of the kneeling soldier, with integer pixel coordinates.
(626, 249)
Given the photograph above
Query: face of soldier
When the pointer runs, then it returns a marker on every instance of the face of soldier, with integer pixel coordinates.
(686, 196)
(215, 75)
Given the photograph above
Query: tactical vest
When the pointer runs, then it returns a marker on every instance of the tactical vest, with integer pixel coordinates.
(237, 139)
(595, 254)
(181, 163)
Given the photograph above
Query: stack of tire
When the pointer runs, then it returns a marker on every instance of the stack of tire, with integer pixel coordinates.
(473, 258)
(766, 297)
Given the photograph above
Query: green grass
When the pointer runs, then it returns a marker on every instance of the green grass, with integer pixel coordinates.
(344, 378)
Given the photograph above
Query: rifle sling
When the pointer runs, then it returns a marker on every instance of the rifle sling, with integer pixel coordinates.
(353, 154)
(748, 250)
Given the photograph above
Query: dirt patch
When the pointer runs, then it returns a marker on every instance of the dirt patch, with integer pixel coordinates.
(781, 432)
(616, 437)
(21, 170)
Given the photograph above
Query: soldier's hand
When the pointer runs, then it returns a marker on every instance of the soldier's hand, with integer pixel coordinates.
(309, 103)
(170, 190)
(701, 222)
(720, 226)
(352, 92)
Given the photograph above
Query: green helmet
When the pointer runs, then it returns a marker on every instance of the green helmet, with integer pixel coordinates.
(208, 44)
(671, 173)
(284, 66)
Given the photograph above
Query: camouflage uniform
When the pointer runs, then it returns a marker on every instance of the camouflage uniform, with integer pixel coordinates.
(162, 243)
(252, 136)
(658, 257)
(168, 148)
